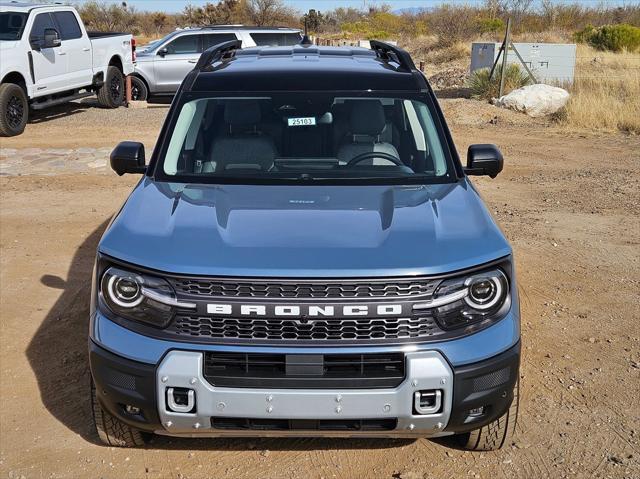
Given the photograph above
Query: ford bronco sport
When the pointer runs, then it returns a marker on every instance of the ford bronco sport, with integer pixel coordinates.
(305, 255)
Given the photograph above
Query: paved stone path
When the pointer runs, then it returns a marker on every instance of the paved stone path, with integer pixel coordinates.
(53, 161)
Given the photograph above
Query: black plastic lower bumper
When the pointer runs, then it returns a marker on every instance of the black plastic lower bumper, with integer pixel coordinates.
(120, 382)
(488, 385)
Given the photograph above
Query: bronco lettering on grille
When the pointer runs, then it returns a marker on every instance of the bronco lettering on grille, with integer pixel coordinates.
(305, 311)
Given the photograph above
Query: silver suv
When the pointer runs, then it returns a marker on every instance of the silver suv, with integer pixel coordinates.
(162, 65)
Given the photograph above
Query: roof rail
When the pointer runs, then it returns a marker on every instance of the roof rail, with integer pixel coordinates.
(244, 27)
(386, 51)
(217, 52)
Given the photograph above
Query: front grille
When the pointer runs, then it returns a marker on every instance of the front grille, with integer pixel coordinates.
(240, 423)
(203, 328)
(304, 289)
(348, 371)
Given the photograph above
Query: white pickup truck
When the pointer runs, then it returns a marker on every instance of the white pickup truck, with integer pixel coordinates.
(47, 57)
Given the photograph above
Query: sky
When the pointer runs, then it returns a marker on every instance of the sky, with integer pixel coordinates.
(323, 5)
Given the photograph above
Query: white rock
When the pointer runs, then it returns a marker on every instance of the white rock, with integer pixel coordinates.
(534, 100)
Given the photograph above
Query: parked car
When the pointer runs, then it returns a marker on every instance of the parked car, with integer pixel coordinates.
(163, 64)
(305, 255)
(49, 58)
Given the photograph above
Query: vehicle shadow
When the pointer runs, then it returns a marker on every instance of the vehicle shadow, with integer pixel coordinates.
(276, 443)
(57, 352)
(58, 357)
(61, 111)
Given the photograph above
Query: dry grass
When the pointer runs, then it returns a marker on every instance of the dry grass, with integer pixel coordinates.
(606, 92)
(430, 49)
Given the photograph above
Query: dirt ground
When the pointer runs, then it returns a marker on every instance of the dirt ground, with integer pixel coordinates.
(568, 201)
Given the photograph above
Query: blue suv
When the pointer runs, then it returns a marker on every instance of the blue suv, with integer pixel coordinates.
(305, 255)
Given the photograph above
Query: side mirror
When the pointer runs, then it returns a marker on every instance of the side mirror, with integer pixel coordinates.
(163, 51)
(484, 160)
(51, 38)
(128, 157)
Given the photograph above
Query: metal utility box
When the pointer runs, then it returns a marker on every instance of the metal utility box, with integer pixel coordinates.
(549, 62)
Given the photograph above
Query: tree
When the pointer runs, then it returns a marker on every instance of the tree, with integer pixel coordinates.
(314, 20)
(224, 12)
(269, 12)
(159, 21)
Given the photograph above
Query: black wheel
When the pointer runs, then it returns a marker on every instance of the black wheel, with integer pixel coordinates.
(497, 433)
(139, 90)
(14, 109)
(111, 430)
(111, 93)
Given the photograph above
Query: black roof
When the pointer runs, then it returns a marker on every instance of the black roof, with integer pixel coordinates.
(308, 67)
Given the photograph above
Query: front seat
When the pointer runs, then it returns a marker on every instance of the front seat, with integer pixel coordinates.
(243, 146)
(366, 123)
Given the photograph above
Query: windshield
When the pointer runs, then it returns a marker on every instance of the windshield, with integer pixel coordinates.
(12, 25)
(305, 136)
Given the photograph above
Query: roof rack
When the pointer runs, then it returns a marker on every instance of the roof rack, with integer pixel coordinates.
(245, 27)
(221, 51)
(388, 52)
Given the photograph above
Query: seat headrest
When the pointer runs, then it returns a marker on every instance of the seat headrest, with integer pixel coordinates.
(367, 118)
(242, 113)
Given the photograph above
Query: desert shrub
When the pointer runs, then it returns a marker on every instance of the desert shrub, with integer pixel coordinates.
(485, 88)
(451, 23)
(379, 25)
(451, 53)
(614, 38)
(490, 25)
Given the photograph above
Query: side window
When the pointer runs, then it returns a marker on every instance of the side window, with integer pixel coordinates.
(184, 44)
(40, 23)
(68, 24)
(276, 39)
(215, 38)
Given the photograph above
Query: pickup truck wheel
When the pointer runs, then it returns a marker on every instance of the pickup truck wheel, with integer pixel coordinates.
(111, 430)
(495, 434)
(111, 93)
(14, 109)
(139, 90)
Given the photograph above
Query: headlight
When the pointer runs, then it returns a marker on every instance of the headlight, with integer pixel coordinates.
(140, 297)
(467, 300)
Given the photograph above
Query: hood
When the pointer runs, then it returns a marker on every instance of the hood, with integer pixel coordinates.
(304, 231)
(144, 56)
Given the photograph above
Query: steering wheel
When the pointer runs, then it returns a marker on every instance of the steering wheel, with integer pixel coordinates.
(374, 154)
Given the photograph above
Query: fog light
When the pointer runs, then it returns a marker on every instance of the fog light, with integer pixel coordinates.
(479, 411)
(129, 409)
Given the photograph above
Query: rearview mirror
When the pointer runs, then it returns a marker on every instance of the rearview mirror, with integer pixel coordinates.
(51, 38)
(484, 160)
(163, 51)
(128, 157)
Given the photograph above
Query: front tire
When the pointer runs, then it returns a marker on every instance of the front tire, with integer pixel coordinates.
(495, 434)
(14, 109)
(110, 429)
(139, 90)
(111, 93)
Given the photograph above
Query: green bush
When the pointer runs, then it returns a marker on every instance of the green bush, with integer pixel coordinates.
(483, 88)
(490, 25)
(614, 38)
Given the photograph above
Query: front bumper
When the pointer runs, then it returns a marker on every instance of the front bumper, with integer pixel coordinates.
(487, 384)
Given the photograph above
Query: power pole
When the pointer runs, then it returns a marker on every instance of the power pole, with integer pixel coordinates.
(505, 47)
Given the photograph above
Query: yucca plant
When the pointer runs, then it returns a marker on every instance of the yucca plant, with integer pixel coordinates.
(483, 88)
